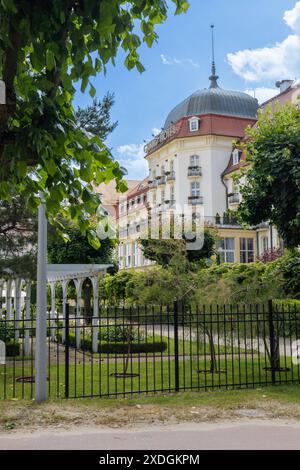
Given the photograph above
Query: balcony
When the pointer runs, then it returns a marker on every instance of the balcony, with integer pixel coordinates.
(194, 171)
(162, 181)
(152, 184)
(171, 176)
(227, 220)
(195, 200)
(234, 198)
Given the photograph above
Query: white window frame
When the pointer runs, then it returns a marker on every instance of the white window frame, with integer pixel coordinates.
(136, 254)
(128, 255)
(172, 193)
(194, 124)
(227, 255)
(195, 189)
(247, 251)
(236, 157)
(194, 160)
(265, 243)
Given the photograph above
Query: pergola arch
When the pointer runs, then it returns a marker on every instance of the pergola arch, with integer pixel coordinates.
(13, 286)
(78, 273)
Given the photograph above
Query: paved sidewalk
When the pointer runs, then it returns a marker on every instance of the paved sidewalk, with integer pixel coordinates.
(246, 435)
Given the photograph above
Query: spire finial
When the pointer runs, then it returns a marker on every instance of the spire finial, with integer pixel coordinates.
(213, 78)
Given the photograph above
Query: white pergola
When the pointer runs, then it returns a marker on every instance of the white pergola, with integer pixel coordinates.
(64, 274)
(17, 291)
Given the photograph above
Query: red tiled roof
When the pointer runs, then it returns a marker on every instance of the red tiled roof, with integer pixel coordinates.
(210, 124)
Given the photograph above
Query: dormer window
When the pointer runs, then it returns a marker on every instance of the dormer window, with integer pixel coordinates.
(194, 124)
(236, 157)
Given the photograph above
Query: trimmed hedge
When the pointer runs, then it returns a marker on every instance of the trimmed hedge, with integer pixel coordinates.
(12, 349)
(117, 348)
(288, 304)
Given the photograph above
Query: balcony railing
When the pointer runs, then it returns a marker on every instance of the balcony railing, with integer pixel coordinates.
(234, 198)
(195, 200)
(162, 181)
(194, 171)
(152, 184)
(171, 176)
(229, 220)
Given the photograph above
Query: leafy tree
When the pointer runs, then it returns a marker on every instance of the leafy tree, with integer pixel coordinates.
(272, 187)
(114, 287)
(44, 50)
(163, 250)
(78, 250)
(18, 231)
(18, 236)
(95, 118)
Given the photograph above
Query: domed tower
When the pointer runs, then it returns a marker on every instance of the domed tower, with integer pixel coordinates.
(187, 159)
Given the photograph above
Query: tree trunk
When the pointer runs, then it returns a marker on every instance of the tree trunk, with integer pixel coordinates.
(212, 351)
(126, 359)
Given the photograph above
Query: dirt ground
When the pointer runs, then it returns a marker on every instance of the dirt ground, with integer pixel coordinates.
(282, 403)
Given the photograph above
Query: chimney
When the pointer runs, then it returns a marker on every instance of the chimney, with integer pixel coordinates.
(284, 85)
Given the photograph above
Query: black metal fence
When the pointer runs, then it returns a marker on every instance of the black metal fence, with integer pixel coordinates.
(127, 351)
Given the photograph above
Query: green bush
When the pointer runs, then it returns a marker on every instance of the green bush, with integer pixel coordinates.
(7, 331)
(117, 348)
(120, 334)
(12, 349)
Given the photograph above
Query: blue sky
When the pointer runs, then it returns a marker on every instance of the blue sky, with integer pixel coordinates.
(257, 42)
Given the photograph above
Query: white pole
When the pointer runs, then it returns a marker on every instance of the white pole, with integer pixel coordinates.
(8, 299)
(18, 286)
(41, 320)
(95, 322)
(78, 284)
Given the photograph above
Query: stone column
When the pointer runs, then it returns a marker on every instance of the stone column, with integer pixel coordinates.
(78, 286)
(8, 299)
(64, 301)
(95, 320)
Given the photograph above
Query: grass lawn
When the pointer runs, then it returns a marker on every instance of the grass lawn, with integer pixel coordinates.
(153, 373)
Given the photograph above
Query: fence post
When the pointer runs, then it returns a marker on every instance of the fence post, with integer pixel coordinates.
(67, 350)
(272, 340)
(176, 346)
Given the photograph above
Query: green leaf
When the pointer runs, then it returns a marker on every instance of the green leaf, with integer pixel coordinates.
(92, 91)
(84, 84)
(93, 240)
(51, 167)
(50, 60)
(9, 5)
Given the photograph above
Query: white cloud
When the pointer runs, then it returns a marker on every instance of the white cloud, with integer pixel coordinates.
(292, 18)
(131, 156)
(262, 93)
(170, 60)
(167, 60)
(282, 60)
(194, 64)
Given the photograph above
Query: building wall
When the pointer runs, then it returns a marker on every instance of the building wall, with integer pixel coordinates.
(214, 153)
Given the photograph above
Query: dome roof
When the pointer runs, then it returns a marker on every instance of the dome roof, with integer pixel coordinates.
(215, 100)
